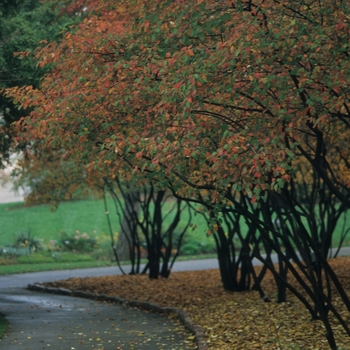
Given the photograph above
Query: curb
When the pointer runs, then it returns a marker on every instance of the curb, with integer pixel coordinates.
(182, 316)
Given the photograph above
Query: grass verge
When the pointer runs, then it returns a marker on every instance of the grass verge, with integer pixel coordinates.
(51, 266)
(23, 268)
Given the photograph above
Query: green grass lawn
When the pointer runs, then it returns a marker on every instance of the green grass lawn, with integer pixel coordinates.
(86, 216)
(24, 268)
(83, 215)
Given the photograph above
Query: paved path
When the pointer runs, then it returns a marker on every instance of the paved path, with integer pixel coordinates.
(46, 321)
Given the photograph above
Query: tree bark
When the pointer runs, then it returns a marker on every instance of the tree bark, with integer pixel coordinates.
(131, 211)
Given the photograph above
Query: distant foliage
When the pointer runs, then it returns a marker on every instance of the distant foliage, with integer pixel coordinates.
(12, 252)
(24, 24)
(77, 242)
(24, 240)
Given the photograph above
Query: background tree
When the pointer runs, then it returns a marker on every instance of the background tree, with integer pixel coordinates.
(24, 24)
(47, 178)
(154, 223)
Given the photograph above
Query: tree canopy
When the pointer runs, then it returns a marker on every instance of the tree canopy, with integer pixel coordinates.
(220, 95)
(224, 100)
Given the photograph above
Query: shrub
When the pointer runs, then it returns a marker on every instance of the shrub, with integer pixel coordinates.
(104, 250)
(12, 251)
(196, 243)
(53, 246)
(24, 240)
(78, 242)
(197, 248)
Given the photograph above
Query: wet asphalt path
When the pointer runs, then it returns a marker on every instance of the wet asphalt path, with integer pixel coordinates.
(46, 321)
(49, 321)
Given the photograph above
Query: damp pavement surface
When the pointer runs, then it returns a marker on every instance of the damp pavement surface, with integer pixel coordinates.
(47, 321)
(50, 321)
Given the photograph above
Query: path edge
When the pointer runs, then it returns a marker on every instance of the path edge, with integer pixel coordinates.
(183, 317)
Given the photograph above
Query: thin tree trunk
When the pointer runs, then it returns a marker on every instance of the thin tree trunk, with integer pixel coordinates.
(128, 227)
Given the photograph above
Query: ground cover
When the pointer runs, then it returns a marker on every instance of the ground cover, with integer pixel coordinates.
(232, 320)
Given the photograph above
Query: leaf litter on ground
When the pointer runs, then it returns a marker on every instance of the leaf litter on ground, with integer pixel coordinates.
(232, 320)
